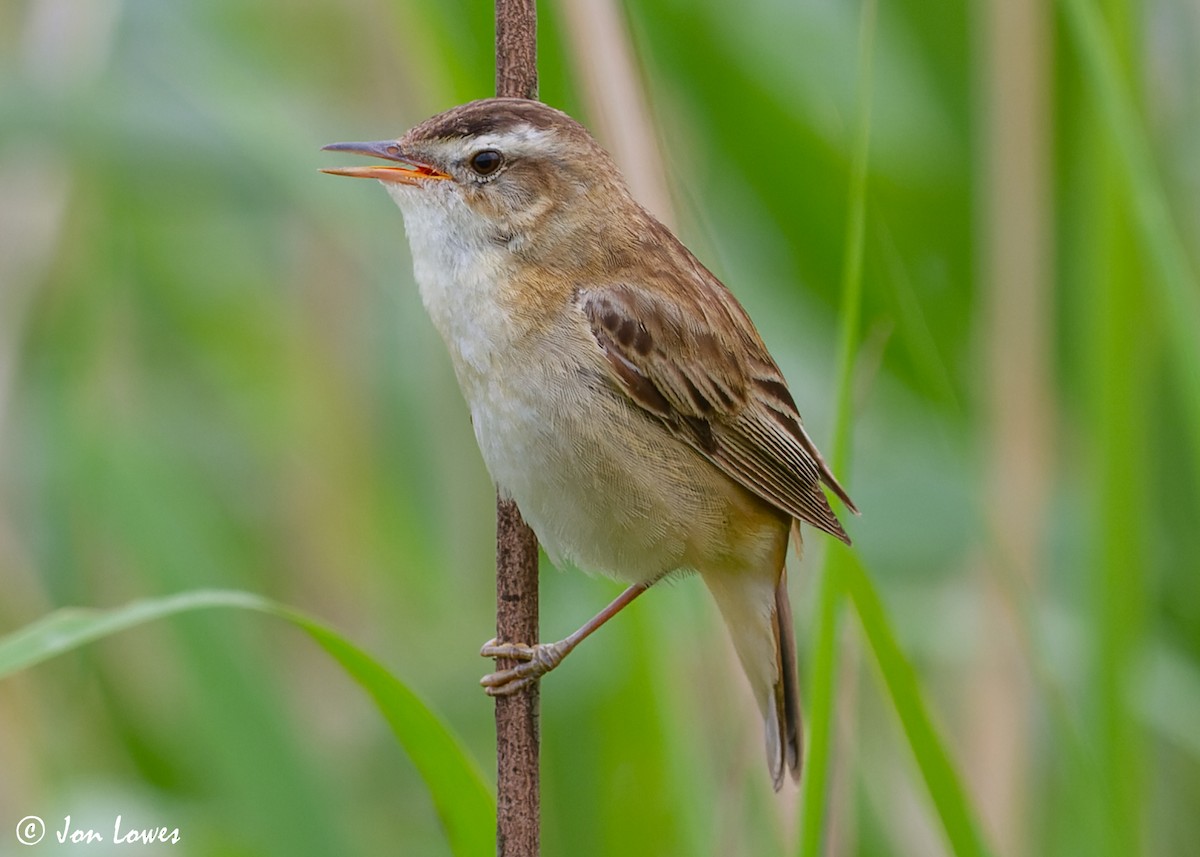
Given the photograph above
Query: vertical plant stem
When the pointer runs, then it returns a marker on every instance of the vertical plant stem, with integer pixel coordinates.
(518, 799)
(814, 786)
(1014, 330)
(1118, 324)
(617, 105)
(830, 587)
(1174, 285)
(852, 262)
(516, 49)
(1127, 228)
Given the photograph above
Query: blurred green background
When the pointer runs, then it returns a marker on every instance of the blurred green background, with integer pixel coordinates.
(215, 372)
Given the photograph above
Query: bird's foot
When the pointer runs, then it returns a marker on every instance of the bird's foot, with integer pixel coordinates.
(535, 662)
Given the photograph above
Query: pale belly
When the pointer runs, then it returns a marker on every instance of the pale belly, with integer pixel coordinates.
(602, 486)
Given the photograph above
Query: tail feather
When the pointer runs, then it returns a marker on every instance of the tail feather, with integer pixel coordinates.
(787, 687)
(759, 617)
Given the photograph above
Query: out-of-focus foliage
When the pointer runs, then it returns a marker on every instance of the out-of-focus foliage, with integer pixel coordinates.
(215, 372)
(464, 803)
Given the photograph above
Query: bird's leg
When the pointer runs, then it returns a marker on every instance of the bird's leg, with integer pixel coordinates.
(539, 659)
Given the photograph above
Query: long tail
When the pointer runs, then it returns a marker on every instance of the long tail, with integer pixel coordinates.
(759, 617)
(787, 688)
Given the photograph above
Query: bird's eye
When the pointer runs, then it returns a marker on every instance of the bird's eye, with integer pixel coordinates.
(486, 162)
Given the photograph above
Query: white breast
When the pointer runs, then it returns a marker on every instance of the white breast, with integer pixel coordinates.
(456, 267)
(601, 485)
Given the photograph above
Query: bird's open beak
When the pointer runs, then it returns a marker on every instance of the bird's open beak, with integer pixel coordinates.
(408, 171)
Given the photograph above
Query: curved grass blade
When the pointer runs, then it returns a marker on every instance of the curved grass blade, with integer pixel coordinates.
(460, 794)
(945, 787)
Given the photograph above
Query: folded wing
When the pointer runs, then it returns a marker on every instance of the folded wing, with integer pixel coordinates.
(704, 372)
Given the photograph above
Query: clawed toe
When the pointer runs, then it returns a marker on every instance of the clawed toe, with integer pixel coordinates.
(506, 682)
(493, 648)
(536, 661)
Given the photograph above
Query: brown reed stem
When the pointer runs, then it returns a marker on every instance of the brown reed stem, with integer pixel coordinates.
(518, 799)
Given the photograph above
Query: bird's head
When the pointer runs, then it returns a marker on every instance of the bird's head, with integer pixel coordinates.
(510, 171)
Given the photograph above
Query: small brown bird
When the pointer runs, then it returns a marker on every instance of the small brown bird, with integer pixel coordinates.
(619, 393)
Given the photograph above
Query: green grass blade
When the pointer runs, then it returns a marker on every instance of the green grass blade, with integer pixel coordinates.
(459, 792)
(1137, 260)
(843, 574)
(815, 786)
(1176, 285)
(852, 264)
(945, 787)
(820, 705)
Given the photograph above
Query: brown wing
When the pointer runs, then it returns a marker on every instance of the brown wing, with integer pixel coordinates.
(702, 369)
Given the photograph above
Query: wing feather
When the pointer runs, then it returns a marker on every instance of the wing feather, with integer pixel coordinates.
(702, 370)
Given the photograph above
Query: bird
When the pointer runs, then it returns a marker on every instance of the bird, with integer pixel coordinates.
(619, 392)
